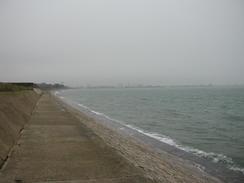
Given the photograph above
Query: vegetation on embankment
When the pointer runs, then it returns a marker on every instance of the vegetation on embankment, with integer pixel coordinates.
(15, 110)
(30, 86)
(15, 86)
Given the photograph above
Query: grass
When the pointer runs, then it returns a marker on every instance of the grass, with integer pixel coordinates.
(13, 87)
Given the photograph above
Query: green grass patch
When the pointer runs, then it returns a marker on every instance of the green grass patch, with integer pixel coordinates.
(13, 87)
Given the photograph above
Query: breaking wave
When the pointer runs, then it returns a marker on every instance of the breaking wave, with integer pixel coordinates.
(214, 157)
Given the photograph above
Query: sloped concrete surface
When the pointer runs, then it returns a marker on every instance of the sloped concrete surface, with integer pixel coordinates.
(55, 147)
(15, 112)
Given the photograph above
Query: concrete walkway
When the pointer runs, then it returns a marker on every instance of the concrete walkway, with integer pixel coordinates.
(56, 147)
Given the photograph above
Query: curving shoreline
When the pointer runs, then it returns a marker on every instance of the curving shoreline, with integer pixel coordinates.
(160, 166)
(215, 164)
(62, 143)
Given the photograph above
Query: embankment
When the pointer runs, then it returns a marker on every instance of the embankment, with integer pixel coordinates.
(15, 111)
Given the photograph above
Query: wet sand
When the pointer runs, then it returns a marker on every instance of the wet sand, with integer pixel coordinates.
(62, 144)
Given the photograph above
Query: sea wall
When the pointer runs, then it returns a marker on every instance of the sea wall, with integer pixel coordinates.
(15, 111)
(162, 167)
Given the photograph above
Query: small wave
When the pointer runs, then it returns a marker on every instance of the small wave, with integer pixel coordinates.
(214, 157)
(105, 116)
(232, 117)
(85, 107)
(98, 113)
(237, 169)
(157, 136)
(56, 93)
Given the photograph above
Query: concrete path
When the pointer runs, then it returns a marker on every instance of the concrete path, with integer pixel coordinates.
(55, 147)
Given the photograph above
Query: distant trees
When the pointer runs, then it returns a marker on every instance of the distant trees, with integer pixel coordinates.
(4, 86)
(47, 86)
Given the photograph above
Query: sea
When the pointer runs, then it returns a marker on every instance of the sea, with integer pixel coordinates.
(204, 121)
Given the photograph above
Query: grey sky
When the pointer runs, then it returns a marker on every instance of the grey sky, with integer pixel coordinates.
(122, 41)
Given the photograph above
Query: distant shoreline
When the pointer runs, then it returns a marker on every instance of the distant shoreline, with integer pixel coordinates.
(215, 169)
(153, 86)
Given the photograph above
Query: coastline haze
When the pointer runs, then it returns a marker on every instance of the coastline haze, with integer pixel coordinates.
(111, 42)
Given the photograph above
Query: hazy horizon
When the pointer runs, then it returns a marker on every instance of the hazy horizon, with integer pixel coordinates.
(111, 42)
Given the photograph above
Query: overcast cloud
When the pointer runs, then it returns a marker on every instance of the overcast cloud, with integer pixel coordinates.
(105, 42)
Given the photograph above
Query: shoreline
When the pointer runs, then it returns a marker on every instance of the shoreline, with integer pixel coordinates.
(218, 170)
(114, 150)
(158, 159)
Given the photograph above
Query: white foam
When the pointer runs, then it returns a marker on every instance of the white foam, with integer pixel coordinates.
(98, 113)
(56, 93)
(157, 136)
(214, 157)
(85, 107)
(237, 169)
(107, 117)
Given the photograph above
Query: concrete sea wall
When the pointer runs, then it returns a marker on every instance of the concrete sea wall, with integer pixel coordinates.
(15, 111)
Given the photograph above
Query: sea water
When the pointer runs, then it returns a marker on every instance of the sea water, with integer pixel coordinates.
(205, 121)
